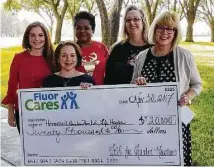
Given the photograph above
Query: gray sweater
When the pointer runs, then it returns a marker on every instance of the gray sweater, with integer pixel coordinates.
(186, 71)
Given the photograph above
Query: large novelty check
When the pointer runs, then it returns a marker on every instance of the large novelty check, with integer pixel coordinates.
(104, 125)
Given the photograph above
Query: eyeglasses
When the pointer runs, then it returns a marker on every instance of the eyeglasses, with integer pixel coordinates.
(135, 20)
(79, 28)
(168, 29)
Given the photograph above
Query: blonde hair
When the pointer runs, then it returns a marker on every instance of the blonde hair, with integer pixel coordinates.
(125, 35)
(170, 19)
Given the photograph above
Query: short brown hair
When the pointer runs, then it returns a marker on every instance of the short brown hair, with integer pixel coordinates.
(48, 47)
(67, 43)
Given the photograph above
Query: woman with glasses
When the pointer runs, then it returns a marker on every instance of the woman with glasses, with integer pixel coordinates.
(94, 53)
(119, 68)
(168, 62)
(29, 67)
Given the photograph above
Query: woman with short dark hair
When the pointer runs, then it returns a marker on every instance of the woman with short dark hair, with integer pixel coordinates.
(94, 53)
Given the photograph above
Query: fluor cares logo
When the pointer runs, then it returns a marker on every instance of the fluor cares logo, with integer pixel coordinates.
(50, 101)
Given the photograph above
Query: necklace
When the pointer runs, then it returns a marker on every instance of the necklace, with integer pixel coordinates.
(65, 83)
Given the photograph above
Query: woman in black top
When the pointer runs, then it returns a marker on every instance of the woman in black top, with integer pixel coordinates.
(68, 57)
(119, 68)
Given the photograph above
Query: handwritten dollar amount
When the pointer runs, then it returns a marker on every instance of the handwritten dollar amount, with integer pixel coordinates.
(158, 120)
(84, 127)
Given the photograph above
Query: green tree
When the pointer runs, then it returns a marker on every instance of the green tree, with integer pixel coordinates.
(206, 11)
(37, 6)
(110, 22)
(189, 7)
(172, 6)
(73, 8)
(90, 5)
(50, 8)
(151, 8)
(46, 13)
(12, 5)
(59, 8)
(105, 24)
(114, 19)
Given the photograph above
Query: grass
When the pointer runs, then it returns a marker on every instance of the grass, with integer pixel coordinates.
(198, 43)
(7, 55)
(203, 106)
(203, 123)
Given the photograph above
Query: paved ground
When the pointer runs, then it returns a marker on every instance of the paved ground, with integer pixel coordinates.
(10, 143)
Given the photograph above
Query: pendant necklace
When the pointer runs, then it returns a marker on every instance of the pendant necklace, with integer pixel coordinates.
(65, 83)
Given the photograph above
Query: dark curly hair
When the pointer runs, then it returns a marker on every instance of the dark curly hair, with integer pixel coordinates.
(87, 16)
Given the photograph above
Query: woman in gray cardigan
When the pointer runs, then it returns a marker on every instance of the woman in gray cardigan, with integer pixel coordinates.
(168, 62)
